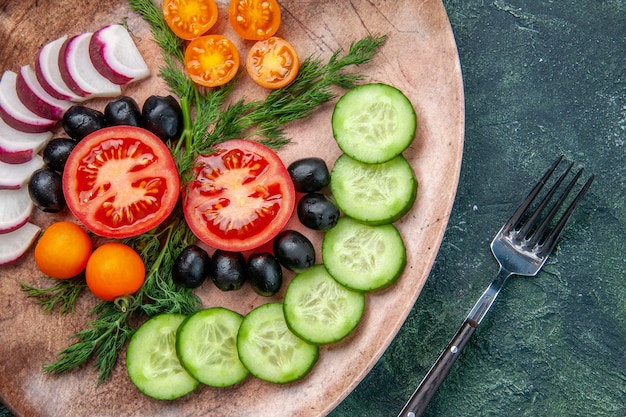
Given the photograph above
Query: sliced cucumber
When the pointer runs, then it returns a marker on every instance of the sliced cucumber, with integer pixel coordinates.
(151, 359)
(373, 193)
(363, 257)
(206, 344)
(319, 309)
(374, 123)
(270, 350)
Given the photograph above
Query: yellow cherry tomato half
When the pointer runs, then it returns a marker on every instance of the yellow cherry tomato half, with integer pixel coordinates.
(189, 19)
(63, 250)
(254, 19)
(113, 270)
(211, 60)
(272, 63)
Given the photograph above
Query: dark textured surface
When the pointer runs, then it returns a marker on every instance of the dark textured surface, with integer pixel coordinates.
(541, 78)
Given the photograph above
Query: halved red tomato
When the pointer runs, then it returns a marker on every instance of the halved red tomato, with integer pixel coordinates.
(121, 181)
(240, 197)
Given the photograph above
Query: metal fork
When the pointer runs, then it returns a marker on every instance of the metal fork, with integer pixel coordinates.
(521, 248)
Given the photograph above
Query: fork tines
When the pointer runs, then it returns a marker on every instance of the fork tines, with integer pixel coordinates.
(535, 229)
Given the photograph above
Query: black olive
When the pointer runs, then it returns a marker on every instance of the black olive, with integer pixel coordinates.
(57, 151)
(163, 117)
(123, 111)
(293, 250)
(309, 174)
(228, 270)
(317, 211)
(79, 121)
(46, 190)
(191, 267)
(265, 274)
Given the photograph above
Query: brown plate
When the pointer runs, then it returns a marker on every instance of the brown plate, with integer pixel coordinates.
(419, 57)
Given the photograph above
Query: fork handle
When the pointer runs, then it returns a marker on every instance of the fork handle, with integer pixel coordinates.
(418, 402)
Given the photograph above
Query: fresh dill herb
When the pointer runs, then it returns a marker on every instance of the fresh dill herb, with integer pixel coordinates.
(62, 295)
(209, 119)
(105, 338)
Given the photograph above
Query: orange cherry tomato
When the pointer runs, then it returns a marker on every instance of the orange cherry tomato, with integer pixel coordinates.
(63, 250)
(113, 270)
(254, 19)
(211, 60)
(272, 63)
(189, 19)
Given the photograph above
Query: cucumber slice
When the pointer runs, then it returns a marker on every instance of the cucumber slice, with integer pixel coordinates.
(206, 344)
(373, 193)
(374, 123)
(363, 257)
(319, 309)
(151, 359)
(270, 350)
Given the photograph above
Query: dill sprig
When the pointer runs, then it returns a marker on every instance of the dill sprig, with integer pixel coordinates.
(62, 295)
(209, 118)
(105, 338)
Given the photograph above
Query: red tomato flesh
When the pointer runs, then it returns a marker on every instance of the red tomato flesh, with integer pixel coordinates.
(121, 181)
(240, 197)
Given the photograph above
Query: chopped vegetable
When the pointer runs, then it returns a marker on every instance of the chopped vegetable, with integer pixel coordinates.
(189, 19)
(319, 309)
(374, 123)
(206, 344)
(270, 350)
(121, 181)
(17, 147)
(211, 60)
(363, 257)
(79, 72)
(151, 359)
(115, 55)
(272, 63)
(254, 19)
(15, 243)
(240, 197)
(15, 113)
(373, 193)
(15, 209)
(13, 176)
(35, 98)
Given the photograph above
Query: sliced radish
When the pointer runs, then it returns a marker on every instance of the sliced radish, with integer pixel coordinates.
(15, 244)
(15, 209)
(14, 112)
(49, 74)
(17, 147)
(36, 99)
(14, 176)
(115, 55)
(79, 72)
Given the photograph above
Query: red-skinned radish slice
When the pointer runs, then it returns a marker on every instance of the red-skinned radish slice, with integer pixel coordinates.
(15, 209)
(15, 244)
(17, 147)
(79, 73)
(49, 74)
(14, 176)
(115, 55)
(36, 99)
(14, 112)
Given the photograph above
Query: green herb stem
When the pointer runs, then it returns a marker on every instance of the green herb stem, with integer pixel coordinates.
(62, 295)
